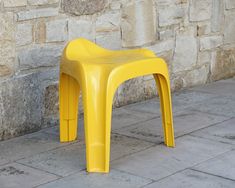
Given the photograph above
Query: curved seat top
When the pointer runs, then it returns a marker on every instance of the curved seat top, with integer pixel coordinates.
(82, 49)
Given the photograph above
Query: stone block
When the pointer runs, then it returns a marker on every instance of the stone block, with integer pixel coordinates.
(51, 101)
(42, 2)
(7, 26)
(138, 24)
(21, 101)
(229, 36)
(37, 13)
(107, 22)
(5, 70)
(204, 57)
(24, 34)
(200, 10)
(217, 17)
(223, 64)
(81, 28)
(40, 56)
(203, 28)
(40, 32)
(7, 42)
(171, 14)
(207, 43)
(56, 31)
(166, 34)
(81, 7)
(229, 4)
(109, 40)
(197, 76)
(14, 3)
(185, 56)
(163, 46)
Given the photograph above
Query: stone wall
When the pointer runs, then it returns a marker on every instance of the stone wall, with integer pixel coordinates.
(195, 37)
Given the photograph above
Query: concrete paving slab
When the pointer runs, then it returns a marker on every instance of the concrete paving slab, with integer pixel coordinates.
(180, 101)
(192, 179)
(63, 161)
(15, 175)
(222, 132)
(114, 179)
(223, 88)
(151, 107)
(26, 146)
(184, 123)
(70, 159)
(160, 161)
(216, 105)
(223, 166)
(120, 118)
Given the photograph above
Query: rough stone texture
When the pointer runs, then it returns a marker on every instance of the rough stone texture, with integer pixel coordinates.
(51, 100)
(171, 13)
(138, 23)
(40, 32)
(40, 56)
(165, 45)
(42, 2)
(36, 13)
(203, 28)
(24, 34)
(207, 43)
(229, 4)
(109, 40)
(108, 22)
(21, 101)
(80, 28)
(200, 10)
(56, 31)
(81, 7)
(14, 3)
(217, 18)
(166, 34)
(7, 45)
(229, 36)
(196, 76)
(4, 70)
(185, 53)
(223, 65)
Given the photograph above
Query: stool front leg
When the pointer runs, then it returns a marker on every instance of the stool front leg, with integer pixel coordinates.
(97, 102)
(69, 94)
(163, 85)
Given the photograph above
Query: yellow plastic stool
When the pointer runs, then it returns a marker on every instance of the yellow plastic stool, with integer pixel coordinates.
(97, 73)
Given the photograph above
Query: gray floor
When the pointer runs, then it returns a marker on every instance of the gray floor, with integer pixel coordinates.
(204, 156)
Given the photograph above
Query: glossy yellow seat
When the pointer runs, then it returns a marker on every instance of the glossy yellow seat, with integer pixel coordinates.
(97, 73)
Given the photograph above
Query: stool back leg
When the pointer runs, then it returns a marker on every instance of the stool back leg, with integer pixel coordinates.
(69, 91)
(163, 85)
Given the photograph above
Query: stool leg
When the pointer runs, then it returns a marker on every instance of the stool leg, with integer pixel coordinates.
(97, 102)
(166, 108)
(68, 93)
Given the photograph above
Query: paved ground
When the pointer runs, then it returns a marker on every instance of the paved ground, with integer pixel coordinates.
(204, 156)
